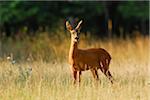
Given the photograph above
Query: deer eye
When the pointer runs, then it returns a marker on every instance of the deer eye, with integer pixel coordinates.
(74, 32)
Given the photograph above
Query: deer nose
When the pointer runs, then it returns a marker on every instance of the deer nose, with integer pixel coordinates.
(76, 38)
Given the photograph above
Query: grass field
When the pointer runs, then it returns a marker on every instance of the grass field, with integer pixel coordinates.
(52, 80)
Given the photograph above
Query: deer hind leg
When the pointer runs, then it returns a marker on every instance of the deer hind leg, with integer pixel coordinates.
(108, 74)
(104, 66)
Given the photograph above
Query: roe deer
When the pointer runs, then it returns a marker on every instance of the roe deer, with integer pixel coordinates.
(89, 59)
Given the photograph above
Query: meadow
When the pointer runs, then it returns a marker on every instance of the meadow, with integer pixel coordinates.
(39, 69)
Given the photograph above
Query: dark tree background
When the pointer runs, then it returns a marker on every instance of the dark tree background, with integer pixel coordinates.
(102, 18)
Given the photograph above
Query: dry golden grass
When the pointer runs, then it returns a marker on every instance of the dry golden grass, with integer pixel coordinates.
(52, 80)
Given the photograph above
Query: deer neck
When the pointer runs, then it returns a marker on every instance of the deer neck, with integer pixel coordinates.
(73, 51)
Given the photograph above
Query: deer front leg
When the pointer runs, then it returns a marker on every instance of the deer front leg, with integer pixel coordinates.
(95, 74)
(80, 72)
(74, 76)
(97, 78)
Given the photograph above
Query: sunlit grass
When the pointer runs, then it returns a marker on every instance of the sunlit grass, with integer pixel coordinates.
(51, 79)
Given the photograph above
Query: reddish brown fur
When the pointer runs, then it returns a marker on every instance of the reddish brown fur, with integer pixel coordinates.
(89, 59)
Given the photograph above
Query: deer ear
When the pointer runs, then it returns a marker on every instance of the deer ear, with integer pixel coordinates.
(68, 26)
(79, 25)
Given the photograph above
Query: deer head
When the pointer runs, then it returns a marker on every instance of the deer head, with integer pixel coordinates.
(75, 32)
